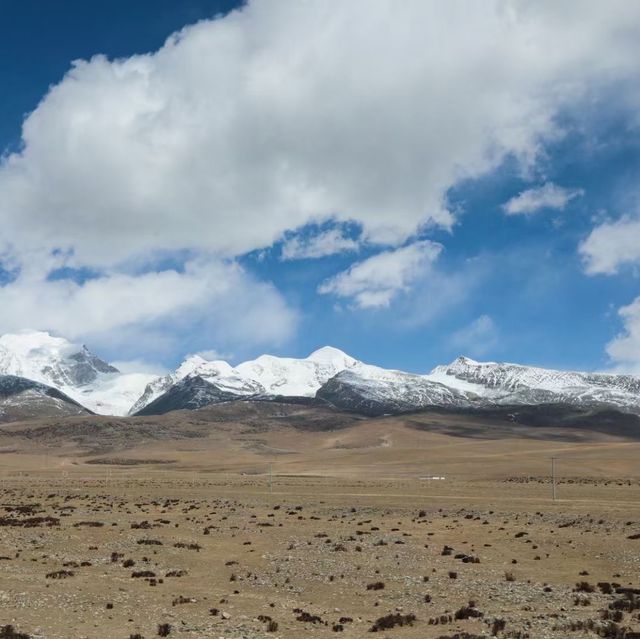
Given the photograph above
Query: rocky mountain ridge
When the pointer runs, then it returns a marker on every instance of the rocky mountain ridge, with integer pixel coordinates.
(327, 376)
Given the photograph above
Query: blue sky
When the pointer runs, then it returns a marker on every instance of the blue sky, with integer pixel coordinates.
(260, 185)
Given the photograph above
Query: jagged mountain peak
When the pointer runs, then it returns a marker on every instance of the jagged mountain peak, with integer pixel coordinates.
(72, 369)
(464, 364)
(52, 360)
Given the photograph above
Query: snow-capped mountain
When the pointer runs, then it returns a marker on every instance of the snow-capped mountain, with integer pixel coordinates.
(190, 393)
(327, 375)
(500, 383)
(266, 375)
(333, 377)
(217, 372)
(52, 360)
(296, 377)
(376, 391)
(72, 369)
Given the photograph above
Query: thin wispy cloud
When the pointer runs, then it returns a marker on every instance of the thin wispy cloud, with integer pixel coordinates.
(478, 338)
(323, 244)
(547, 196)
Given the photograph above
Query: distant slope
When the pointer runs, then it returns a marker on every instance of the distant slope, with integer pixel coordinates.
(248, 437)
(235, 421)
(22, 399)
(190, 393)
(492, 422)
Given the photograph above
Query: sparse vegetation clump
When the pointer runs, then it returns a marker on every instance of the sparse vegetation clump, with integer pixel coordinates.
(391, 621)
(468, 612)
(60, 574)
(9, 632)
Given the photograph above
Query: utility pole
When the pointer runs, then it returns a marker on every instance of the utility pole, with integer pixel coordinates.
(553, 478)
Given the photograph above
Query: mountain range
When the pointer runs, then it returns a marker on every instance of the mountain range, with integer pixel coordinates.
(46, 374)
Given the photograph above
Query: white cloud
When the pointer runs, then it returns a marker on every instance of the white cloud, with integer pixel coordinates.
(327, 243)
(276, 116)
(624, 349)
(547, 196)
(478, 338)
(218, 298)
(212, 354)
(611, 245)
(241, 128)
(141, 367)
(375, 281)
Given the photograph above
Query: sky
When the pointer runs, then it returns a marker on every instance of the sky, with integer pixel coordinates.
(408, 182)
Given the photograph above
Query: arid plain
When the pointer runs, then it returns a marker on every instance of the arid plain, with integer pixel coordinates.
(275, 520)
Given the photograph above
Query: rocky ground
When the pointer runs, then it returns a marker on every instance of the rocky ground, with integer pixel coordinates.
(177, 554)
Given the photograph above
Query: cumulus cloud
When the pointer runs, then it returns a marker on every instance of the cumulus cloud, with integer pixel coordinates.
(547, 196)
(611, 245)
(278, 115)
(478, 338)
(327, 243)
(245, 126)
(375, 281)
(624, 349)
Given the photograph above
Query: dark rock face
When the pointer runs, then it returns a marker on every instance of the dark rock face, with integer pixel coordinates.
(22, 398)
(348, 397)
(11, 385)
(190, 393)
(88, 365)
(400, 393)
(79, 369)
